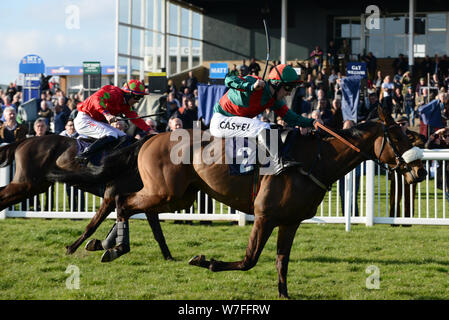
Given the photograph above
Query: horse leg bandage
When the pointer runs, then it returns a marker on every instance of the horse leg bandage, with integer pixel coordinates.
(122, 233)
(110, 240)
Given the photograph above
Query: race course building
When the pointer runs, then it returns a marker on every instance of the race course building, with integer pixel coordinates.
(175, 36)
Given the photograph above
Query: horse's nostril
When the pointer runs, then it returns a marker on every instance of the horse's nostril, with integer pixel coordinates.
(422, 173)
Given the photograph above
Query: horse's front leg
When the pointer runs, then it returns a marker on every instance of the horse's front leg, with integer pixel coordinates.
(286, 236)
(105, 209)
(260, 233)
(155, 224)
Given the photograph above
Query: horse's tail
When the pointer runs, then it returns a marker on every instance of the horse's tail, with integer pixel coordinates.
(7, 153)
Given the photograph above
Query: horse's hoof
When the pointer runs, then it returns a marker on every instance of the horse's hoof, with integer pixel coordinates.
(212, 265)
(70, 250)
(94, 245)
(169, 258)
(109, 255)
(283, 296)
(196, 260)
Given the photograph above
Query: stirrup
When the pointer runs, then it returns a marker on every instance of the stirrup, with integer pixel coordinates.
(82, 160)
(287, 165)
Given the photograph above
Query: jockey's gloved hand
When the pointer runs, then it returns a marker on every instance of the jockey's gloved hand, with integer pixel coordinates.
(259, 84)
(315, 125)
(110, 118)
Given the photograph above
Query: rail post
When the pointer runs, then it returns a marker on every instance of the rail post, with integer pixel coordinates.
(348, 200)
(4, 181)
(370, 176)
(242, 218)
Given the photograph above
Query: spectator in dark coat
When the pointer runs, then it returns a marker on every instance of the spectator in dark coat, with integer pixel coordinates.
(416, 140)
(62, 113)
(10, 130)
(254, 67)
(191, 82)
(45, 113)
(332, 54)
(189, 114)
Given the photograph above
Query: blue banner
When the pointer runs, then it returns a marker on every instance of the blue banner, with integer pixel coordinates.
(218, 70)
(31, 64)
(350, 90)
(430, 114)
(356, 69)
(78, 70)
(208, 96)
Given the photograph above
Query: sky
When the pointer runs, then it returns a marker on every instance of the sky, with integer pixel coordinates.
(55, 31)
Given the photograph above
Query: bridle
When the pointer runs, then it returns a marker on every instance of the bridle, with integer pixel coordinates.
(385, 139)
(399, 159)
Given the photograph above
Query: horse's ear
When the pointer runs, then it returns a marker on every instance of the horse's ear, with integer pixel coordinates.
(384, 115)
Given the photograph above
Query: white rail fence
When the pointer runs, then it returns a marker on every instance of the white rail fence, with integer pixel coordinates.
(368, 189)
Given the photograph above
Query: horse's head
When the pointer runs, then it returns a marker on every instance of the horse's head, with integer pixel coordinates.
(394, 148)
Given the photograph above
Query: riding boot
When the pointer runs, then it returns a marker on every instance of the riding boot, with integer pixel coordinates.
(279, 163)
(122, 241)
(94, 148)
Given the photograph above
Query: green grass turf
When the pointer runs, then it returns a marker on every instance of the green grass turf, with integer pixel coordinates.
(326, 263)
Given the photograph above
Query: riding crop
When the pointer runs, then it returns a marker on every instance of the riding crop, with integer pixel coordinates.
(150, 115)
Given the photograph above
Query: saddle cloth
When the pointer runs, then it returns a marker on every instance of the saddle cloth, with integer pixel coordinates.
(243, 152)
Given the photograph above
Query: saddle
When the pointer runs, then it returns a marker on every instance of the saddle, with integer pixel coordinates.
(84, 142)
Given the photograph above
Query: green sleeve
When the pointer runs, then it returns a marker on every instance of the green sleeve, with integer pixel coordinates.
(294, 119)
(235, 82)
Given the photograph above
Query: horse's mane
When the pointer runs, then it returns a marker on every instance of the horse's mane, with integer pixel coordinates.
(355, 132)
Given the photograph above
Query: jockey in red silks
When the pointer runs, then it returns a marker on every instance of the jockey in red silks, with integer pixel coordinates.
(99, 110)
(234, 114)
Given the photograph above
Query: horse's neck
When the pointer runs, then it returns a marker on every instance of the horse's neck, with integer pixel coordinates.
(348, 159)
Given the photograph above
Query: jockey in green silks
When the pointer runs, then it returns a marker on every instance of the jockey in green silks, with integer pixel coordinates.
(235, 113)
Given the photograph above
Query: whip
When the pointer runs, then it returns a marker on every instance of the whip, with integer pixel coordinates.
(150, 115)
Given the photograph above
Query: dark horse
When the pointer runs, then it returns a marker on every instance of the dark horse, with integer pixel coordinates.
(38, 157)
(284, 200)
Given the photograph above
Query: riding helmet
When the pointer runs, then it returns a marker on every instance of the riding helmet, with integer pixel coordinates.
(135, 87)
(283, 74)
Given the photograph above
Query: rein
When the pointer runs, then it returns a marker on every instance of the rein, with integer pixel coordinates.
(150, 115)
(346, 142)
(349, 144)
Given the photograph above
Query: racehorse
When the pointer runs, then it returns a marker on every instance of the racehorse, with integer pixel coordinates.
(282, 201)
(38, 157)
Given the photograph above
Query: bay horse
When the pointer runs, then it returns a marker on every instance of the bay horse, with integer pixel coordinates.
(283, 201)
(37, 158)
